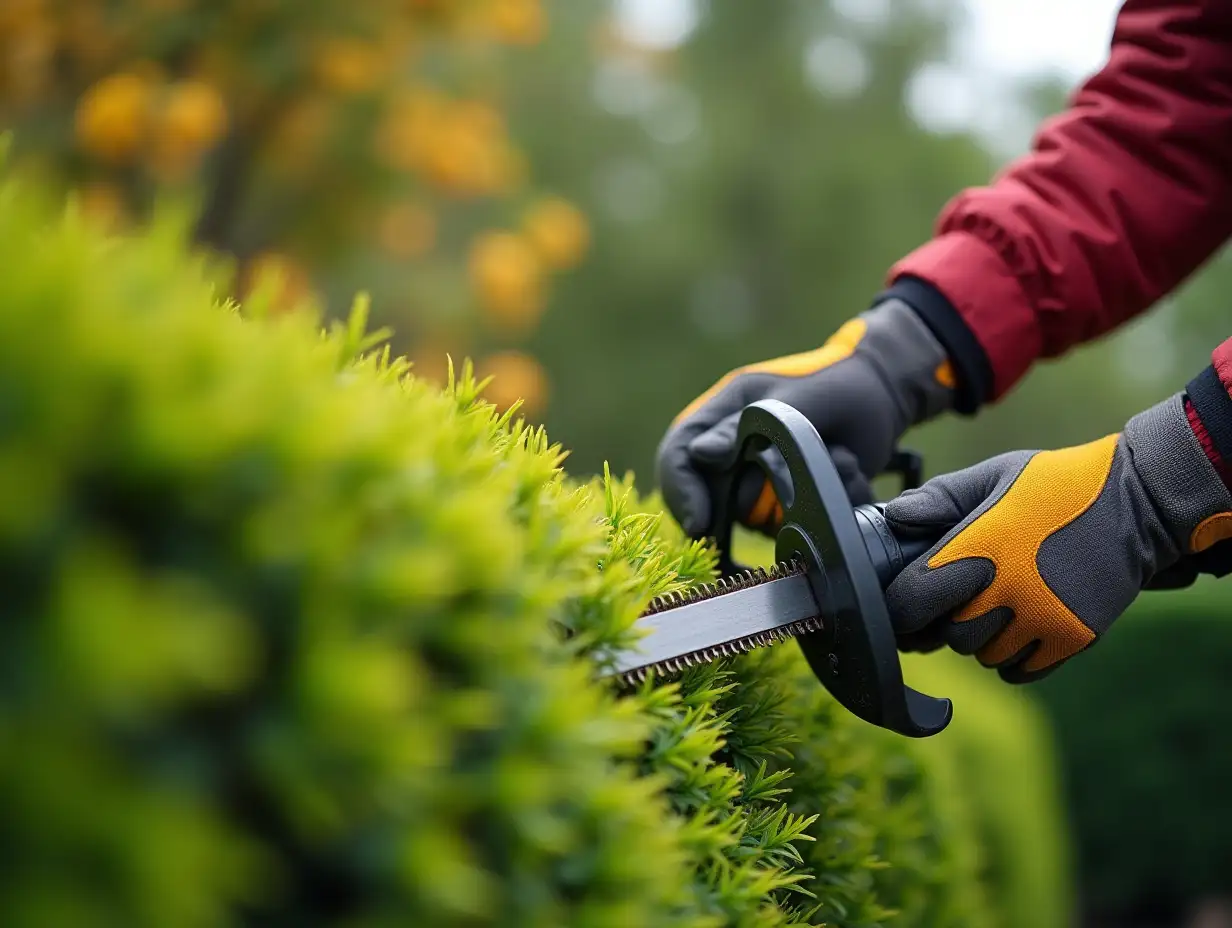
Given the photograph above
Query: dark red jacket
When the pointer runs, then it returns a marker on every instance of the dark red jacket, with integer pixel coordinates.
(1123, 196)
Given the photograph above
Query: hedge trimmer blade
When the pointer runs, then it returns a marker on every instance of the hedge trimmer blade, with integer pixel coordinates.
(827, 592)
(731, 616)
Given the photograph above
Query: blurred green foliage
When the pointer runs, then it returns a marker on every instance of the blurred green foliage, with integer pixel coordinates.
(1002, 759)
(1144, 735)
(347, 145)
(281, 644)
(742, 206)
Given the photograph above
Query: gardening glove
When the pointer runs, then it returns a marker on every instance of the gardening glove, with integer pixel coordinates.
(879, 374)
(1039, 552)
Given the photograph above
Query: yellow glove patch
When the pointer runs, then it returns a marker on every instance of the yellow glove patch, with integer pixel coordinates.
(1053, 489)
(838, 346)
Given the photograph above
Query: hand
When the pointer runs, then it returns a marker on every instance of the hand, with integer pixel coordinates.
(1041, 551)
(878, 375)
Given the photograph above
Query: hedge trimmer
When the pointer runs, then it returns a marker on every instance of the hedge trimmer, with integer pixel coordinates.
(826, 591)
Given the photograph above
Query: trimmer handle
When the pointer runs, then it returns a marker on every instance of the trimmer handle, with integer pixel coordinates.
(854, 655)
(889, 553)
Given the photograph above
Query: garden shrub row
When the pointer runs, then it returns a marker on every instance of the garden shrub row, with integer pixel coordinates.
(1143, 732)
(290, 637)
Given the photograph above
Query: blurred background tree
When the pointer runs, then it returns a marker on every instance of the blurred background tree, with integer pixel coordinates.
(338, 145)
(748, 189)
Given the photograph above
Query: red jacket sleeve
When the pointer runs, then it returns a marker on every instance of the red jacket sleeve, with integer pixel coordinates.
(1121, 198)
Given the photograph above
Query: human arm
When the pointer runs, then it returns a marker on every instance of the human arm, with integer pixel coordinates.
(1122, 196)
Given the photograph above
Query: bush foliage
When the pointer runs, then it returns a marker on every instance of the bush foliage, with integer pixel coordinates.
(282, 645)
(1143, 731)
(1002, 762)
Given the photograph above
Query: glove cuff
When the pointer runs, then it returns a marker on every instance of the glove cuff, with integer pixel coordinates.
(974, 372)
(1212, 408)
(910, 360)
(1179, 477)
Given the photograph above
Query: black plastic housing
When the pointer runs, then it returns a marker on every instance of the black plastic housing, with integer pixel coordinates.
(850, 555)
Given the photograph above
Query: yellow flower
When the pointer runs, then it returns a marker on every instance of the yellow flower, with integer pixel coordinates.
(407, 231)
(515, 376)
(518, 22)
(112, 116)
(508, 277)
(350, 66)
(472, 154)
(558, 231)
(408, 132)
(460, 146)
(193, 116)
(190, 121)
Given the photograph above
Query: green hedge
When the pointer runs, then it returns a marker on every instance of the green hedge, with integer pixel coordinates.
(284, 643)
(1143, 723)
(1001, 759)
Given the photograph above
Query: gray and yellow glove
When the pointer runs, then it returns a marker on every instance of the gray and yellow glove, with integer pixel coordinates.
(1041, 551)
(878, 375)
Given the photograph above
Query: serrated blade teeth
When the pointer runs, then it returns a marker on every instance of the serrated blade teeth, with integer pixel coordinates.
(676, 598)
(635, 677)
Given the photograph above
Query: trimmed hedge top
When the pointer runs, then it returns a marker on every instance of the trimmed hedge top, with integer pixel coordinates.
(1147, 759)
(282, 646)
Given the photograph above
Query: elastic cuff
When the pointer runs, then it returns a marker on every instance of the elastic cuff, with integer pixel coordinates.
(1211, 402)
(1208, 445)
(988, 298)
(1176, 471)
(974, 374)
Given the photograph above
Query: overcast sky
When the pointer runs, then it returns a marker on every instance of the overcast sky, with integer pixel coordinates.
(1017, 36)
(1003, 40)
(1008, 39)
